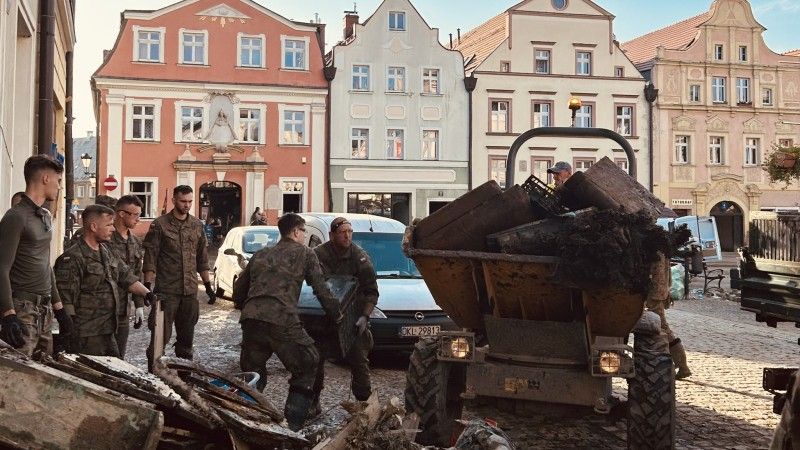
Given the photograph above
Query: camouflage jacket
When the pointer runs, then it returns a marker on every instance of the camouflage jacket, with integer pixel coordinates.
(131, 252)
(354, 262)
(276, 276)
(92, 284)
(660, 280)
(176, 251)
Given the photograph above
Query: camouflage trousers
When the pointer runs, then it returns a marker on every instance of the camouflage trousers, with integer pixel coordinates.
(358, 360)
(121, 336)
(787, 434)
(99, 345)
(37, 320)
(182, 311)
(291, 343)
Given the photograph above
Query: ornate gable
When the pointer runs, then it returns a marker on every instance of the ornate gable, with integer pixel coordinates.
(683, 123)
(753, 126)
(716, 124)
(223, 14)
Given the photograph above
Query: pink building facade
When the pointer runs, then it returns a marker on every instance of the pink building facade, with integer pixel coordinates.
(228, 98)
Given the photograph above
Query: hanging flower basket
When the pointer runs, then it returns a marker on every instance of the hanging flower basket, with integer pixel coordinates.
(785, 160)
(782, 165)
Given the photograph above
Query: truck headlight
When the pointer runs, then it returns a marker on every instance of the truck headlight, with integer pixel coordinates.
(377, 314)
(609, 362)
(456, 346)
(459, 348)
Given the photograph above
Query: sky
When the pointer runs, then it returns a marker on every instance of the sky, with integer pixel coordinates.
(97, 25)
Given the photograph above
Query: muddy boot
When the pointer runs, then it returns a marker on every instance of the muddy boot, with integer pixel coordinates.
(296, 409)
(679, 359)
(315, 410)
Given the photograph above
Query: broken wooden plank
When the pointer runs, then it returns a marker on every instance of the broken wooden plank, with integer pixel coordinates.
(261, 433)
(367, 416)
(172, 380)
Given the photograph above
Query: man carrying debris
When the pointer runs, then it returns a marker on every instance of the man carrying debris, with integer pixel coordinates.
(561, 172)
(657, 301)
(175, 251)
(340, 256)
(270, 322)
(28, 296)
(90, 278)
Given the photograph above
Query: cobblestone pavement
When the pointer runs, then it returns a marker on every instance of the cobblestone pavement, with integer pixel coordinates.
(721, 406)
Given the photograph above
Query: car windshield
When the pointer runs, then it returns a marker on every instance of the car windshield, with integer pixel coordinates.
(255, 240)
(386, 253)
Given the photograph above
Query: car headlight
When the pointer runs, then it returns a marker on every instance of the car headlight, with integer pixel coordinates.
(377, 314)
(609, 362)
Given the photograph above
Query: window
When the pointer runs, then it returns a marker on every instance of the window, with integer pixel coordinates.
(430, 145)
(92, 192)
(192, 123)
(622, 163)
(583, 63)
(539, 168)
(148, 45)
(359, 143)
(249, 125)
(395, 206)
(752, 151)
(80, 191)
(499, 116)
(682, 149)
(766, 97)
(694, 93)
(142, 124)
(718, 89)
(144, 191)
(294, 54)
(396, 79)
(743, 90)
(624, 116)
(619, 72)
(193, 47)
(743, 53)
(394, 144)
(716, 147)
(582, 164)
(294, 127)
(251, 51)
(360, 78)
(542, 114)
(559, 4)
(583, 118)
(505, 66)
(497, 170)
(542, 58)
(397, 20)
(719, 52)
(784, 143)
(430, 81)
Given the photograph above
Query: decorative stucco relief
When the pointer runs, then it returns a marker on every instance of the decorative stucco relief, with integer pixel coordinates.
(696, 74)
(753, 126)
(358, 111)
(395, 112)
(717, 124)
(431, 113)
(683, 123)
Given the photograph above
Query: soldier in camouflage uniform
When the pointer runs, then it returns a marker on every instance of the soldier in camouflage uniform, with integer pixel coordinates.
(787, 433)
(91, 281)
(105, 200)
(657, 301)
(340, 256)
(269, 319)
(175, 251)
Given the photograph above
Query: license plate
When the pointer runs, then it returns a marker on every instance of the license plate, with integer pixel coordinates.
(422, 330)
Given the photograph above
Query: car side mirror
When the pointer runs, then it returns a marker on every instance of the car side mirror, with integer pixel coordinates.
(230, 252)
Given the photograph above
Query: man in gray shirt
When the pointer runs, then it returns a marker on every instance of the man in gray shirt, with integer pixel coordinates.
(28, 295)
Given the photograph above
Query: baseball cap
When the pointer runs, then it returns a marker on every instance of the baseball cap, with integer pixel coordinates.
(337, 222)
(560, 166)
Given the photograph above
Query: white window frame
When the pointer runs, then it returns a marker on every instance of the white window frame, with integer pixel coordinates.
(262, 123)
(743, 53)
(580, 115)
(306, 54)
(579, 63)
(389, 21)
(394, 139)
(156, 103)
(717, 88)
(620, 118)
(752, 151)
(743, 94)
(437, 142)
(719, 52)
(390, 77)
(80, 191)
(547, 60)
(239, 62)
(496, 114)
(771, 96)
(699, 93)
(161, 34)
(184, 31)
(360, 138)
(683, 147)
(718, 148)
(368, 75)
(437, 79)
(282, 110)
(153, 213)
(178, 122)
(92, 192)
(538, 115)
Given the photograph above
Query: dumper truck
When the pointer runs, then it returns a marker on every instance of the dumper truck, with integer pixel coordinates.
(526, 337)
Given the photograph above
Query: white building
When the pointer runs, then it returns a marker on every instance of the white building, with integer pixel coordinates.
(529, 61)
(399, 120)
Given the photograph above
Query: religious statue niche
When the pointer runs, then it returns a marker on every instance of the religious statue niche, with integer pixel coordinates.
(221, 135)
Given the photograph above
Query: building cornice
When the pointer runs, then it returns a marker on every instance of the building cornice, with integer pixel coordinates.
(211, 165)
(197, 86)
(556, 76)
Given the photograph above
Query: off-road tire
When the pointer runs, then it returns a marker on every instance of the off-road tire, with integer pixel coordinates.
(651, 396)
(433, 392)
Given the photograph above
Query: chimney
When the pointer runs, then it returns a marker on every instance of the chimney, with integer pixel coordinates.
(458, 31)
(350, 21)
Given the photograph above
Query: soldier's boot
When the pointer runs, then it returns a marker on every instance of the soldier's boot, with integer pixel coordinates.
(679, 358)
(315, 409)
(296, 409)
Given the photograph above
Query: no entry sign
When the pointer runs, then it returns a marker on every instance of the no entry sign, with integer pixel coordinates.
(110, 183)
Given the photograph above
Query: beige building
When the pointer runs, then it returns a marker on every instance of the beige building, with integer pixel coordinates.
(725, 99)
(529, 60)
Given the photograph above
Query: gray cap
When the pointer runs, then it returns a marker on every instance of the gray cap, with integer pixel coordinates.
(560, 166)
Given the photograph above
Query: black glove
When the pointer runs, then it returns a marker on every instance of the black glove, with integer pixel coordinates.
(12, 331)
(212, 296)
(65, 325)
(150, 299)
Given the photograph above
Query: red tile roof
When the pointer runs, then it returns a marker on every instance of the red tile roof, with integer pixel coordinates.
(642, 50)
(477, 44)
(795, 52)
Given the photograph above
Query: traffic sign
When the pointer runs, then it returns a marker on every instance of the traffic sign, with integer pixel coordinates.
(110, 183)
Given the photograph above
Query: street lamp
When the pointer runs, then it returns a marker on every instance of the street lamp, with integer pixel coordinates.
(574, 106)
(86, 162)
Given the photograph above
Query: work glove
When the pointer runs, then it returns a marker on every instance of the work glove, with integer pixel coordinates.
(138, 318)
(150, 299)
(212, 296)
(12, 331)
(65, 324)
(362, 324)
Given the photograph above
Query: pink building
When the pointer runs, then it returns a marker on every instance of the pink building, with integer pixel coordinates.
(227, 97)
(725, 100)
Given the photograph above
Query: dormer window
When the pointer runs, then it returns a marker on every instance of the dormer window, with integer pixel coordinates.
(148, 44)
(397, 20)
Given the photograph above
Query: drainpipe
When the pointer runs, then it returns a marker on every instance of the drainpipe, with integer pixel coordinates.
(330, 74)
(47, 40)
(469, 83)
(69, 167)
(650, 94)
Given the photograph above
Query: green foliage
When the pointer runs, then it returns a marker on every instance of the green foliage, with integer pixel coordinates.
(777, 164)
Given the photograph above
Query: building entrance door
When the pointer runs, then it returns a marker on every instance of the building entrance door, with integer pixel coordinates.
(221, 205)
(730, 225)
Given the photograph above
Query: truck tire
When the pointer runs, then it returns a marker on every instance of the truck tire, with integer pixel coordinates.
(651, 396)
(433, 392)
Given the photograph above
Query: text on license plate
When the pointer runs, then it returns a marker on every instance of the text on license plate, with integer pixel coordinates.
(422, 330)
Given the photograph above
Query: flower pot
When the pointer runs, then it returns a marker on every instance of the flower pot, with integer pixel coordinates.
(785, 160)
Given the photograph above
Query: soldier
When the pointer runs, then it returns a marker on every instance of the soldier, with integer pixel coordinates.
(561, 172)
(16, 198)
(340, 256)
(269, 319)
(105, 200)
(657, 301)
(91, 280)
(28, 296)
(128, 248)
(175, 250)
